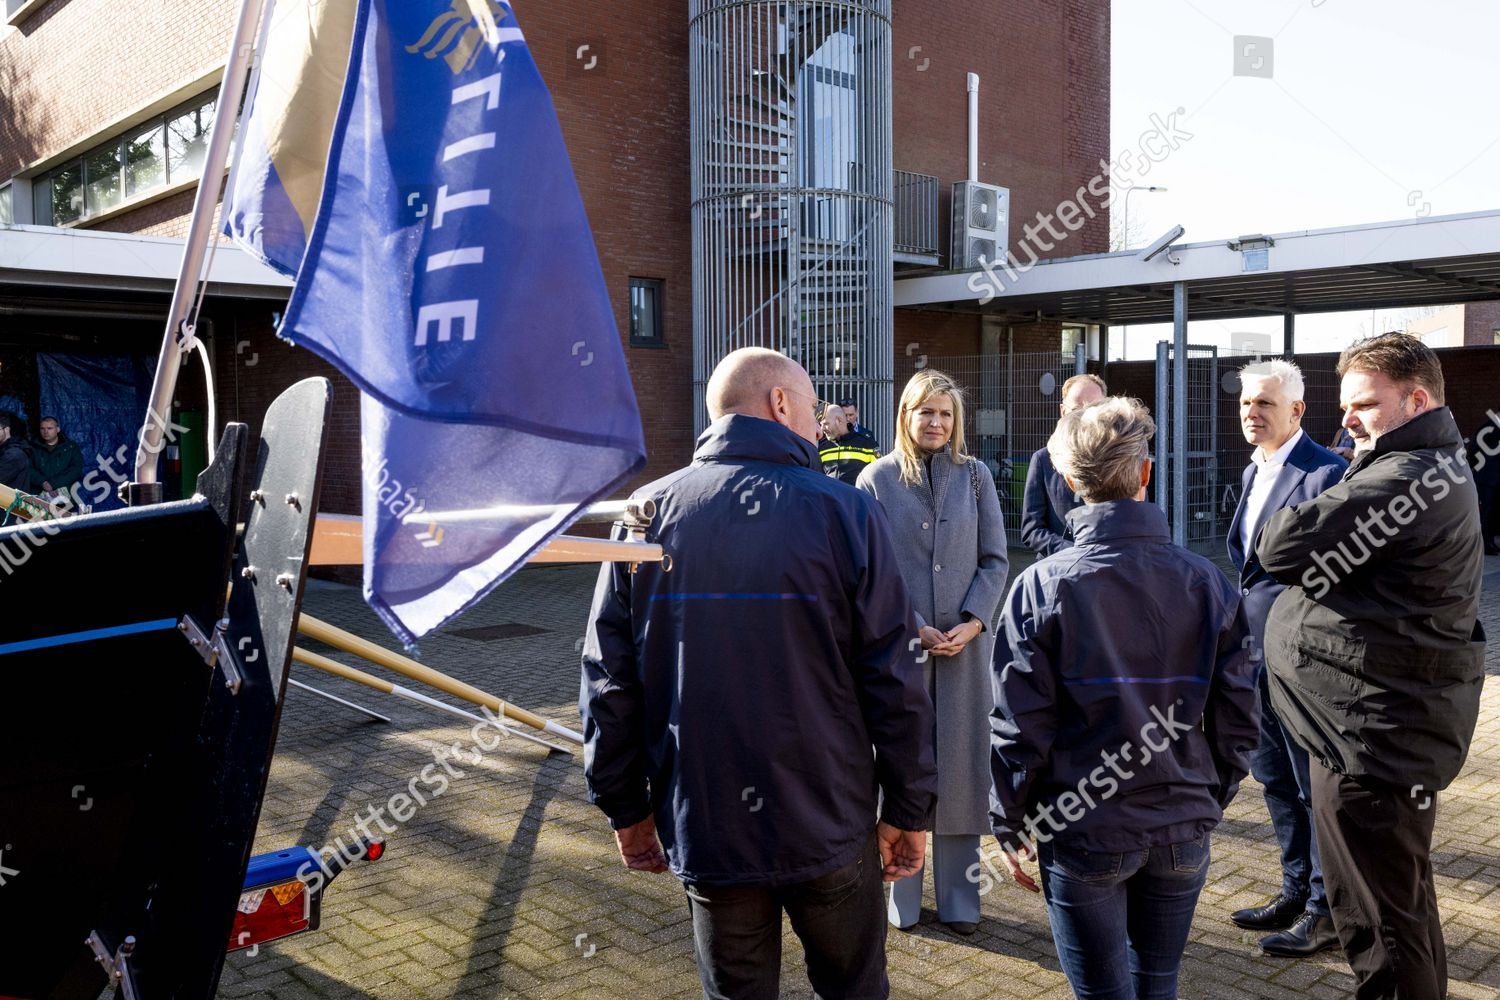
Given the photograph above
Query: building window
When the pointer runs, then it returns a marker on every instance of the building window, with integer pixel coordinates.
(7, 212)
(166, 150)
(645, 312)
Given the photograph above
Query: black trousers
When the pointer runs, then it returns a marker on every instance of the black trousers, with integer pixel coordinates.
(1375, 842)
(839, 918)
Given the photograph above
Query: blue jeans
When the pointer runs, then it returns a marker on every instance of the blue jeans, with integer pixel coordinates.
(1281, 765)
(1121, 921)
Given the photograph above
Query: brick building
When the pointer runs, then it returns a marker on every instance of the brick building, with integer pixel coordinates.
(104, 107)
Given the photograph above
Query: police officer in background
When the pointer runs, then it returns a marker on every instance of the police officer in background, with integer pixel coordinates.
(844, 451)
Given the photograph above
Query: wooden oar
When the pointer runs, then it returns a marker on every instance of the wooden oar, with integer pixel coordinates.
(366, 650)
(327, 665)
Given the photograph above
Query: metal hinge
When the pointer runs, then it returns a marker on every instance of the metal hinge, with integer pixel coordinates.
(214, 649)
(117, 966)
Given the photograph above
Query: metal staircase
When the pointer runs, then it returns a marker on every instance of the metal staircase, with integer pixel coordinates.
(782, 260)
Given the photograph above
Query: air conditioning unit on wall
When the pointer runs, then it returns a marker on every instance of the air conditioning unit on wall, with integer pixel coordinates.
(981, 224)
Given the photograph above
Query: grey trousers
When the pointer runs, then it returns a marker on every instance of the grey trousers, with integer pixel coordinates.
(949, 859)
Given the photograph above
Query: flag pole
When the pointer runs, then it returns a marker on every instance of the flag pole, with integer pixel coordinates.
(366, 650)
(146, 489)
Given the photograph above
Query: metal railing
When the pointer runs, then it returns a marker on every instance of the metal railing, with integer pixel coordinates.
(916, 217)
(790, 106)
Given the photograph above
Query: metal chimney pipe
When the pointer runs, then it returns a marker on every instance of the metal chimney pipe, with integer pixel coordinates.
(973, 126)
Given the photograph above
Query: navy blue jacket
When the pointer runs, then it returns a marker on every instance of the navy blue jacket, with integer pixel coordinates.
(1310, 469)
(738, 696)
(1125, 705)
(1045, 506)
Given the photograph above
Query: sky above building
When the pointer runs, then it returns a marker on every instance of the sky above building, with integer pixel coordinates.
(1305, 114)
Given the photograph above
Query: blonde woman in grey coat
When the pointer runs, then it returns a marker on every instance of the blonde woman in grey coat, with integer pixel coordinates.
(950, 545)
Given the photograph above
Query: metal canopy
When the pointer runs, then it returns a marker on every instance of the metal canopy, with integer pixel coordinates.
(1431, 261)
(45, 257)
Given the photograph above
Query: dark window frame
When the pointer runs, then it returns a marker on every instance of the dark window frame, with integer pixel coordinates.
(657, 337)
(41, 184)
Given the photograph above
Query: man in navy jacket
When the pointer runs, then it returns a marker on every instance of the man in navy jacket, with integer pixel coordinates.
(1287, 468)
(759, 704)
(1047, 498)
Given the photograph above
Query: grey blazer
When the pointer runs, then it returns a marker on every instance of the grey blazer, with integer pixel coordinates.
(950, 547)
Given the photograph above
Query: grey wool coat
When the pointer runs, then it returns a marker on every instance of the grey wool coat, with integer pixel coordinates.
(951, 551)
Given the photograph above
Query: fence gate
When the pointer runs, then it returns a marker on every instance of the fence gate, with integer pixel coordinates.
(1196, 512)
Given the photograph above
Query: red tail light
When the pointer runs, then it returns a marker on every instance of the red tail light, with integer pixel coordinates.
(272, 912)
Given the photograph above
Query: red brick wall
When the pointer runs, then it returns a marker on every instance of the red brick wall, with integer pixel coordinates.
(1043, 102)
(77, 64)
(1481, 320)
(252, 367)
(1043, 127)
(625, 123)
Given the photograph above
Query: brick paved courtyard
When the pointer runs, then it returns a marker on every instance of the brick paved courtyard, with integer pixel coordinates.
(508, 885)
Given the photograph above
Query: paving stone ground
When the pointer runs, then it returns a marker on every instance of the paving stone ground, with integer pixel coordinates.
(507, 884)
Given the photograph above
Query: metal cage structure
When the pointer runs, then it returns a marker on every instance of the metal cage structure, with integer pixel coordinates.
(792, 200)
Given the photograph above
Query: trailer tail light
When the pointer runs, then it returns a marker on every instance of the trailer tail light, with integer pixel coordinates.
(272, 912)
(283, 891)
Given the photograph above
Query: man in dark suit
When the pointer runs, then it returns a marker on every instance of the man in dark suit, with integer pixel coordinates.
(1047, 498)
(1287, 468)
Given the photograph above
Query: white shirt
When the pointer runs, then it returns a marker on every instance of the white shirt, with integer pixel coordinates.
(1267, 472)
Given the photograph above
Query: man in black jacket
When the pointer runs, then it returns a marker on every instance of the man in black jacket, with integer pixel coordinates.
(760, 703)
(1377, 656)
(15, 453)
(1047, 499)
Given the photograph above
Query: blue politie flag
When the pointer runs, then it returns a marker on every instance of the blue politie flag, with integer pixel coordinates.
(447, 268)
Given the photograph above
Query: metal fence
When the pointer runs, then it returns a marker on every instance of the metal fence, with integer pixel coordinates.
(1011, 408)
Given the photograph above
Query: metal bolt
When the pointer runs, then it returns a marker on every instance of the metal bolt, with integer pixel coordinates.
(248, 572)
(291, 499)
(257, 496)
(285, 580)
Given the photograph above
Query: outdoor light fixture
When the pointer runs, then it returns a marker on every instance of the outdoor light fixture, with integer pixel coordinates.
(1161, 243)
(1259, 241)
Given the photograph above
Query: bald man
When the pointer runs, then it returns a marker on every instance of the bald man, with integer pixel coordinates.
(749, 713)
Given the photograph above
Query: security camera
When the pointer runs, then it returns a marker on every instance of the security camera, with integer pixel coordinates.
(1162, 242)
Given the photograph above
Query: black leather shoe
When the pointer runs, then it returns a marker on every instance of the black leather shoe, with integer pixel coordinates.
(962, 927)
(1281, 912)
(1312, 933)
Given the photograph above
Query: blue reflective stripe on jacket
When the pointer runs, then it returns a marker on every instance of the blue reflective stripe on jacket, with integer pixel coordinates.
(1124, 690)
(738, 696)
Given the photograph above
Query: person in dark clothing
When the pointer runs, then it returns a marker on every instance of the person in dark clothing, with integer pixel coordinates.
(1485, 457)
(1376, 655)
(1125, 712)
(1046, 499)
(15, 453)
(1286, 467)
(761, 704)
(56, 461)
(843, 451)
(850, 406)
